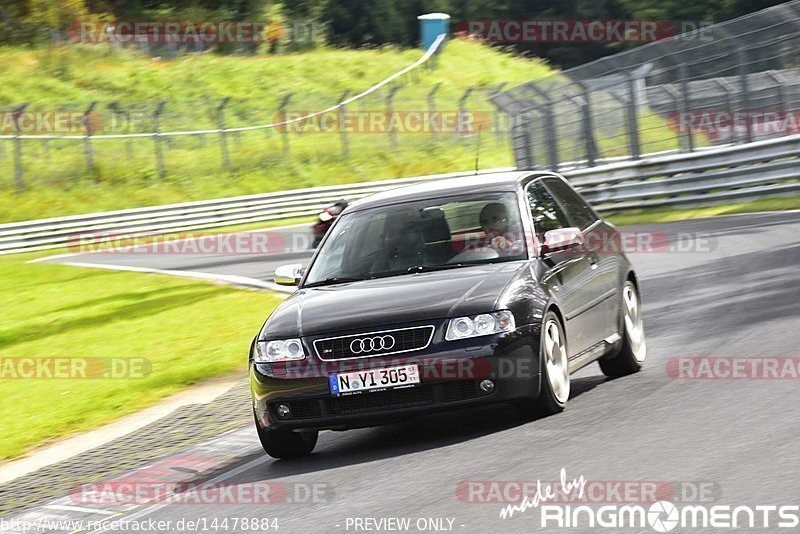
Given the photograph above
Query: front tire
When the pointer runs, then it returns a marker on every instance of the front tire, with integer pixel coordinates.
(285, 444)
(554, 392)
(633, 352)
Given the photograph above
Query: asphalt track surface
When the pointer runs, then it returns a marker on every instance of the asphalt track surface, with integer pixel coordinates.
(735, 293)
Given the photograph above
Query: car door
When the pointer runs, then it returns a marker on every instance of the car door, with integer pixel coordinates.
(566, 272)
(600, 289)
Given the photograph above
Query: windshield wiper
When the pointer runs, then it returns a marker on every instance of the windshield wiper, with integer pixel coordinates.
(387, 274)
(428, 268)
(333, 280)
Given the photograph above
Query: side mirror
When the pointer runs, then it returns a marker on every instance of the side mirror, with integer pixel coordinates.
(562, 239)
(289, 275)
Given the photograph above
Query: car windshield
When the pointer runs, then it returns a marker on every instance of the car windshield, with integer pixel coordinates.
(431, 234)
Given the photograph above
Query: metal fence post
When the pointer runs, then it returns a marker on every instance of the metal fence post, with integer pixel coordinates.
(433, 124)
(633, 120)
(462, 107)
(285, 129)
(497, 119)
(729, 89)
(19, 171)
(686, 102)
(89, 128)
(783, 96)
(157, 138)
(550, 127)
(390, 115)
(741, 56)
(223, 141)
(342, 124)
(588, 126)
(521, 141)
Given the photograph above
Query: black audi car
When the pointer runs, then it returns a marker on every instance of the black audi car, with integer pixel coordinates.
(492, 288)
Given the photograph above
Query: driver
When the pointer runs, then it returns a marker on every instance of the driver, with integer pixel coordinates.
(494, 222)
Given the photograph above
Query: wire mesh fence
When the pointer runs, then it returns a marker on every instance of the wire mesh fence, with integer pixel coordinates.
(59, 143)
(733, 82)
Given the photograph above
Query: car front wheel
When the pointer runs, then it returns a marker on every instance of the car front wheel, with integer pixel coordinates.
(555, 387)
(286, 444)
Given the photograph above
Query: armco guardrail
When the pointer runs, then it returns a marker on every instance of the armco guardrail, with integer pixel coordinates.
(43, 234)
(753, 170)
(743, 171)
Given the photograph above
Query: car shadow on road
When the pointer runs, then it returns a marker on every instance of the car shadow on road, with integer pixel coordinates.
(422, 433)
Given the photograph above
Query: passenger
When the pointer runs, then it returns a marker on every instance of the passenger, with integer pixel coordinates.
(494, 222)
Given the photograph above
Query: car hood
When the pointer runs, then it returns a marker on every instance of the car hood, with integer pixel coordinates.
(392, 300)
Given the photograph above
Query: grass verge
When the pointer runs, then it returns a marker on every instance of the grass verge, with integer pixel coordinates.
(656, 216)
(187, 331)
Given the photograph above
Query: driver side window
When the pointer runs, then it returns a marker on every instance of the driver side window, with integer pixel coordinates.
(545, 212)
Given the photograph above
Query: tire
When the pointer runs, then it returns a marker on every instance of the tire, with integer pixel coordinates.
(554, 391)
(633, 351)
(285, 444)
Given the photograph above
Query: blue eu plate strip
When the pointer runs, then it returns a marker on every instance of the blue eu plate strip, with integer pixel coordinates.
(333, 380)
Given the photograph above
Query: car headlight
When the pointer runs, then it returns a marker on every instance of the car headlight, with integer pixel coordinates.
(480, 325)
(279, 350)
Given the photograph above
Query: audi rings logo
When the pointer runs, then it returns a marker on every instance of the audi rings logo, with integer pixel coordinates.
(372, 344)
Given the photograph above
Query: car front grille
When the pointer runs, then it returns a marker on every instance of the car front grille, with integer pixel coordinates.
(366, 402)
(379, 343)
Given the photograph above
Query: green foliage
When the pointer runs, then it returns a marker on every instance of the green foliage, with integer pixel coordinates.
(364, 22)
(58, 311)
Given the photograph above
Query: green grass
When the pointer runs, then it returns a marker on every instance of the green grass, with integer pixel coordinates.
(90, 72)
(59, 181)
(654, 216)
(188, 331)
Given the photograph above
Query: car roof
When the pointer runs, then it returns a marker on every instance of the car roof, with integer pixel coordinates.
(477, 183)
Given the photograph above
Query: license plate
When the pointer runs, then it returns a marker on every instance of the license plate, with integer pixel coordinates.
(374, 379)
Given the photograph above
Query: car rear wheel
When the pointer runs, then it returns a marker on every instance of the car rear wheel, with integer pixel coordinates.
(633, 352)
(286, 444)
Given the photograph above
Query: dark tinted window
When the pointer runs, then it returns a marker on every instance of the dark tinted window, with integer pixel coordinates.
(578, 211)
(545, 212)
(390, 240)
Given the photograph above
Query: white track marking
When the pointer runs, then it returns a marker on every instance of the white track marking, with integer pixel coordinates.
(66, 508)
(221, 478)
(226, 278)
(177, 239)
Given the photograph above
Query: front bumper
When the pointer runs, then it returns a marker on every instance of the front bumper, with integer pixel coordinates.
(450, 374)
